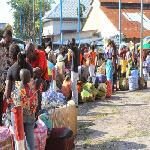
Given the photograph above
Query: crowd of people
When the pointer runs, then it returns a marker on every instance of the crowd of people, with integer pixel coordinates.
(26, 77)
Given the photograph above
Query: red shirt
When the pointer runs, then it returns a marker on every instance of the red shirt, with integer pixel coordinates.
(41, 61)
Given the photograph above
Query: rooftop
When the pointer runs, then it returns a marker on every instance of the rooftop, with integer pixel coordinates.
(125, 1)
(130, 21)
(69, 9)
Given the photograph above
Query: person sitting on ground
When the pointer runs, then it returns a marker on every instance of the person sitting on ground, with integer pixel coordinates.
(66, 87)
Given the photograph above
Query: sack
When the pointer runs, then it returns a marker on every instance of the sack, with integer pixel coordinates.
(84, 72)
(5, 139)
(40, 135)
(109, 89)
(123, 84)
(101, 77)
(60, 139)
(141, 83)
(66, 88)
(88, 93)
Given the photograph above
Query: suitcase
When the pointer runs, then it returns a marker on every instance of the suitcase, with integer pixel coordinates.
(94, 80)
(60, 139)
(109, 89)
(101, 77)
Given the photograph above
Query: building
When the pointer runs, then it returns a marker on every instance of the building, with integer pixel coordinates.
(104, 17)
(2, 25)
(69, 17)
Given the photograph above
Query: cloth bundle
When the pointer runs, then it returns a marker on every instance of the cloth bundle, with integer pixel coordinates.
(52, 99)
(141, 83)
(88, 93)
(102, 91)
(123, 84)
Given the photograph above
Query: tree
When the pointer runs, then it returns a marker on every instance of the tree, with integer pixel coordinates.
(27, 16)
(82, 10)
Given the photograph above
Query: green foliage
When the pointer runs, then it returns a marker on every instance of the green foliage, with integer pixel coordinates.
(27, 16)
(82, 10)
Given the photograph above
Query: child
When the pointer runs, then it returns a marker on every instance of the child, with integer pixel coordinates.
(66, 87)
(123, 64)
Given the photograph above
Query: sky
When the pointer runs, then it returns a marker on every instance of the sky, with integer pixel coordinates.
(6, 14)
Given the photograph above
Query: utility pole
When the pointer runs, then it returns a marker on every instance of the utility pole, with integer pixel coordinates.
(40, 26)
(33, 21)
(141, 51)
(79, 18)
(61, 22)
(119, 22)
(20, 24)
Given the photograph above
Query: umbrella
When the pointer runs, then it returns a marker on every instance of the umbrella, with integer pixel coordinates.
(145, 46)
(147, 38)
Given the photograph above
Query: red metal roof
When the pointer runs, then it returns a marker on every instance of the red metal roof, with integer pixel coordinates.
(128, 28)
(124, 1)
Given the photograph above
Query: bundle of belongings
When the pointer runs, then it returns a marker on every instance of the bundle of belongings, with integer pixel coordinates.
(102, 91)
(88, 93)
(123, 84)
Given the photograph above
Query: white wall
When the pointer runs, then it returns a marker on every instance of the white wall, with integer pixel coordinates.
(48, 28)
(98, 21)
(53, 27)
(66, 25)
(84, 35)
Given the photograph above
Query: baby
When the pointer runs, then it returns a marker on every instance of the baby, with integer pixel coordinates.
(25, 76)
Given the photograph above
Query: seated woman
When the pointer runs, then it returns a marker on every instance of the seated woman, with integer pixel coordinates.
(66, 87)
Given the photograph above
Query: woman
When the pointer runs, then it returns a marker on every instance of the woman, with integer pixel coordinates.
(18, 63)
(110, 59)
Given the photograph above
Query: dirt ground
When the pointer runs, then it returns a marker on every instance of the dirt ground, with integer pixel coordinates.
(119, 123)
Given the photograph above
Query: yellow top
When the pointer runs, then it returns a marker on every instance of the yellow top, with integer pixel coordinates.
(123, 64)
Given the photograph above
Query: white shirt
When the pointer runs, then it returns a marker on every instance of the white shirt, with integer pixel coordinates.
(144, 69)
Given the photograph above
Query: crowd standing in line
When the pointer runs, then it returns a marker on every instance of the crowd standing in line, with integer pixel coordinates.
(73, 64)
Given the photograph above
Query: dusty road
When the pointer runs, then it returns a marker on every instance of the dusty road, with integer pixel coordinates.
(119, 123)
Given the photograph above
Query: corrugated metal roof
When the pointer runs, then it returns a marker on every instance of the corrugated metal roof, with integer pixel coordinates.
(126, 1)
(69, 9)
(130, 21)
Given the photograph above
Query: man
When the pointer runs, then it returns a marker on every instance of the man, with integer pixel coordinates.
(74, 69)
(39, 63)
(4, 44)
